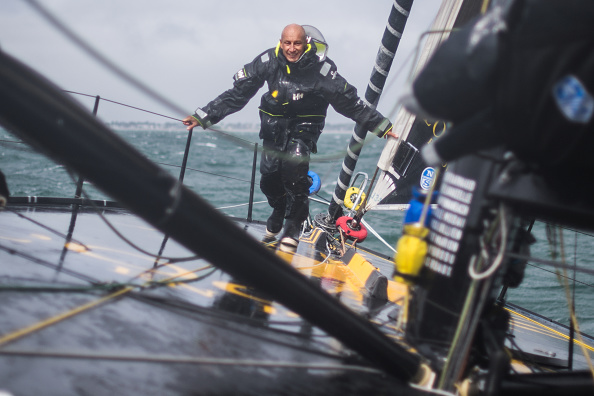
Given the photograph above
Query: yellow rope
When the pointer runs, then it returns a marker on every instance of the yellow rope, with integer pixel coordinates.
(10, 337)
(565, 336)
(55, 319)
(564, 282)
(485, 6)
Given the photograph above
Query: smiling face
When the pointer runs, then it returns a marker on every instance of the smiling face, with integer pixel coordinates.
(293, 42)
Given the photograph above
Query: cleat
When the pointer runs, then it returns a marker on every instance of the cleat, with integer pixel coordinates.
(323, 221)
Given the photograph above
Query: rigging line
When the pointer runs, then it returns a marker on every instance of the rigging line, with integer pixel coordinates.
(123, 104)
(201, 171)
(109, 64)
(171, 280)
(153, 270)
(178, 260)
(569, 228)
(550, 263)
(60, 289)
(13, 336)
(572, 315)
(238, 205)
(53, 266)
(230, 136)
(49, 17)
(215, 129)
(119, 234)
(377, 235)
(218, 130)
(316, 159)
(322, 200)
(572, 308)
(562, 335)
(572, 279)
(33, 280)
(53, 231)
(222, 320)
(189, 360)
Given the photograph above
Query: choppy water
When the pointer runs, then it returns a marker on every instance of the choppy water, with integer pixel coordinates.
(220, 167)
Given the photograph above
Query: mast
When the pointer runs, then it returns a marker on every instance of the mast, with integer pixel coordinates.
(395, 166)
(381, 68)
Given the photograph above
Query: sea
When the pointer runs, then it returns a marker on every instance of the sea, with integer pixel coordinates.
(219, 169)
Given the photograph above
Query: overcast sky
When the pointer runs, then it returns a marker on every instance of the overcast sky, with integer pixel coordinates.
(189, 50)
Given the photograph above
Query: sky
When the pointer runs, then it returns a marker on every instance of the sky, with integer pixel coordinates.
(187, 51)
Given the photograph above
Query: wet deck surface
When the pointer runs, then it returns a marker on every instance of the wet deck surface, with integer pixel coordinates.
(178, 325)
(170, 328)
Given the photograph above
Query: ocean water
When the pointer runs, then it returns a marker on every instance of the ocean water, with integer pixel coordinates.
(220, 168)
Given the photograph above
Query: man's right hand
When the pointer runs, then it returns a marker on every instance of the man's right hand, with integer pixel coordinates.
(190, 122)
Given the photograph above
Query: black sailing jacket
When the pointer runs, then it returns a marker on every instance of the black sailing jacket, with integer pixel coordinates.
(297, 100)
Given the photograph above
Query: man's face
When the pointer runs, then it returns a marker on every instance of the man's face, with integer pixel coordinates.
(292, 44)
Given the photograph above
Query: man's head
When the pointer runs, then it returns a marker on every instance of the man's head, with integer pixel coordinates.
(293, 42)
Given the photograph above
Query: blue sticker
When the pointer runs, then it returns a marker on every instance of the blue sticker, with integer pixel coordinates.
(427, 178)
(574, 101)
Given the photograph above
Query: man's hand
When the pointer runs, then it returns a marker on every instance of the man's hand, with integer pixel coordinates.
(390, 132)
(190, 122)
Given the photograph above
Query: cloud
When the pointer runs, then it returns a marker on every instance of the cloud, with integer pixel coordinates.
(188, 50)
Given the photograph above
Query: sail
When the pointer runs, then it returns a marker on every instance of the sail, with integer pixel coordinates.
(383, 63)
(400, 163)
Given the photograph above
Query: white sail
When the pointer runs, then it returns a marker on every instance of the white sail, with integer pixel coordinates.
(386, 182)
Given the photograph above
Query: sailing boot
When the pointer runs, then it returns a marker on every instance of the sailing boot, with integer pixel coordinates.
(274, 224)
(290, 238)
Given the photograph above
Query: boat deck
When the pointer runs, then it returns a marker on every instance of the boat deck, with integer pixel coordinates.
(90, 314)
(83, 311)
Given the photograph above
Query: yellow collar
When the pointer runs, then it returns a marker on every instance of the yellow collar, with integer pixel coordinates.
(278, 49)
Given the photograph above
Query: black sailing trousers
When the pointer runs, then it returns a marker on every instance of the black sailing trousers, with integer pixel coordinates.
(285, 183)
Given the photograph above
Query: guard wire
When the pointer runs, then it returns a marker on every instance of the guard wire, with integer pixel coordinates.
(178, 359)
(121, 236)
(48, 228)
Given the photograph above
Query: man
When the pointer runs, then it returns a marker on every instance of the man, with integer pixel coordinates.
(301, 85)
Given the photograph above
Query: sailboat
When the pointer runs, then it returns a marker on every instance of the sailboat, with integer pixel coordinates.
(84, 312)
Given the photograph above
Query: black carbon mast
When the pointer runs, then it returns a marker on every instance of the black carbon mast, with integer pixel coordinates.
(381, 68)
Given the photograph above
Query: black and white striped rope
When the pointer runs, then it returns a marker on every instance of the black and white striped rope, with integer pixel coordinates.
(385, 56)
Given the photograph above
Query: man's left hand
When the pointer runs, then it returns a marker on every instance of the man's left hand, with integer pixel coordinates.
(390, 132)
(190, 122)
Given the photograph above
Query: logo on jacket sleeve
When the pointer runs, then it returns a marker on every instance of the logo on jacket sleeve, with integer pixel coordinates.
(241, 74)
(573, 99)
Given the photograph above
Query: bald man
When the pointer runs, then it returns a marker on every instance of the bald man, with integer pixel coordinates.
(302, 83)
